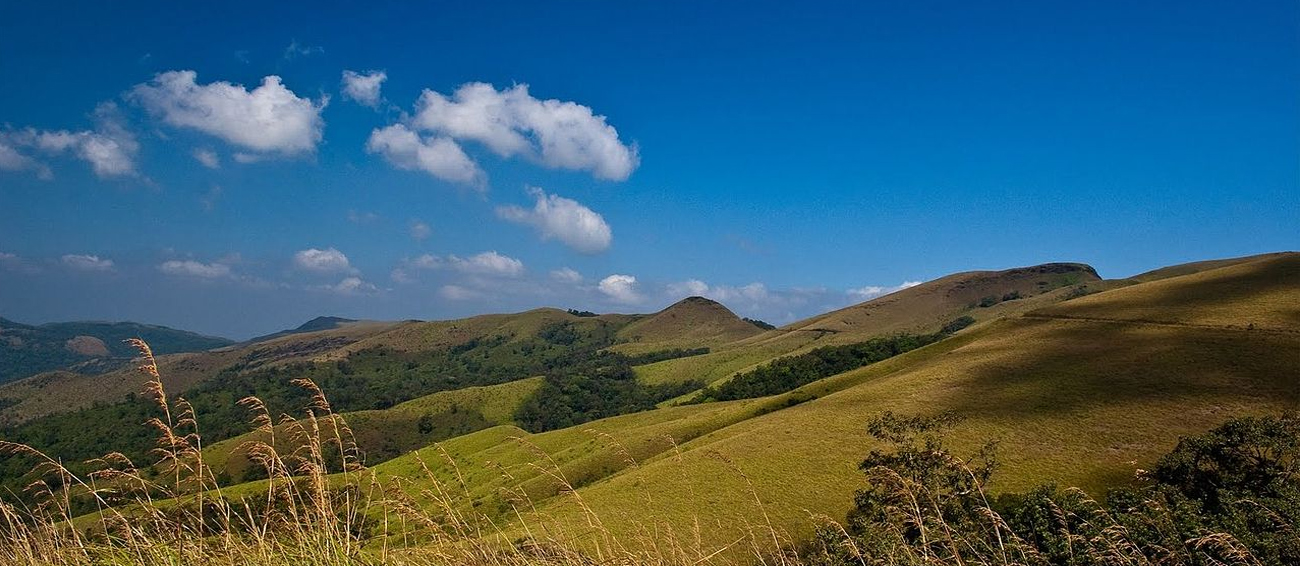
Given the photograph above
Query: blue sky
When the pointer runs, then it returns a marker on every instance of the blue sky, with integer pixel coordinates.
(617, 156)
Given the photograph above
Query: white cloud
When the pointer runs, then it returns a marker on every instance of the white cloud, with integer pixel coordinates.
(752, 293)
(12, 160)
(872, 291)
(621, 288)
(364, 88)
(327, 260)
(437, 156)
(566, 275)
(269, 118)
(11, 262)
(688, 288)
(350, 286)
(487, 263)
(427, 261)
(110, 148)
(510, 122)
(458, 293)
(191, 268)
(84, 262)
(419, 230)
(207, 157)
(564, 219)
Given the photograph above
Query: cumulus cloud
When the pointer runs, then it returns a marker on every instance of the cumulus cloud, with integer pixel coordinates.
(191, 268)
(688, 288)
(83, 262)
(419, 230)
(873, 291)
(364, 88)
(110, 148)
(328, 260)
(511, 122)
(566, 275)
(620, 288)
(487, 263)
(435, 155)
(268, 119)
(207, 157)
(351, 286)
(566, 220)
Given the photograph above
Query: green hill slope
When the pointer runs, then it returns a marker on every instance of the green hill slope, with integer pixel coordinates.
(923, 308)
(1082, 393)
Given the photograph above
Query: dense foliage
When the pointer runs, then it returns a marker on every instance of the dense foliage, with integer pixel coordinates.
(792, 372)
(596, 391)
(759, 323)
(567, 353)
(1230, 496)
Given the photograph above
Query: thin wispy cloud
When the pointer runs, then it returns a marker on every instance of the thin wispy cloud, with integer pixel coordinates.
(191, 268)
(87, 262)
(207, 158)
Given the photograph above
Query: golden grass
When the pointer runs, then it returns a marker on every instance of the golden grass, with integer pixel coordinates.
(321, 506)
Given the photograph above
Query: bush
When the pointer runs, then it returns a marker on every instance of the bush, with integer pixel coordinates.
(1230, 496)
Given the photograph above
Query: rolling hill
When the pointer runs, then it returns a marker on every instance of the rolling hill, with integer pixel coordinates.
(86, 347)
(693, 322)
(1079, 393)
(1081, 381)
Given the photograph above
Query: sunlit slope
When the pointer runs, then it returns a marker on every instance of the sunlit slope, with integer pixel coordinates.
(381, 434)
(1077, 401)
(1199, 266)
(694, 322)
(1259, 294)
(922, 308)
(58, 392)
(434, 335)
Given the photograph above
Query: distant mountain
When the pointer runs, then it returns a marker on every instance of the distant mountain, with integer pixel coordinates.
(313, 325)
(86, 347)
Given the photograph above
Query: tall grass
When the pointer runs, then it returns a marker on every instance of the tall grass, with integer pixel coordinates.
(319, 505)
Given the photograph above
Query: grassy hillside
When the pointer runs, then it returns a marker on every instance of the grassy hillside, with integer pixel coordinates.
(387, 433)
(1083, 394)
(1199, 266)
(87, 347)
(62, 392)
(921, 309)
(693, 322)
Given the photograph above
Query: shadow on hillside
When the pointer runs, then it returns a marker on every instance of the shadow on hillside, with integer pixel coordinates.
(1077, 365)
(1265, 277)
